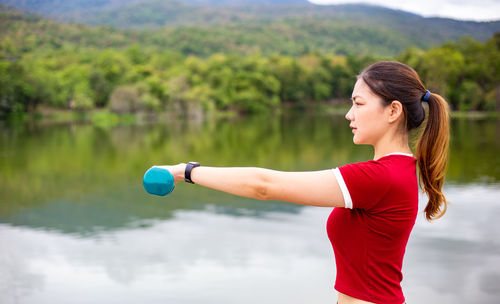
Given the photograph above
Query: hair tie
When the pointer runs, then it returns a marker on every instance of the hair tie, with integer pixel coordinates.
(426, 96)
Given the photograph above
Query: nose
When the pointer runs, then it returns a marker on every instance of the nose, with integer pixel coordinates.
(349, 115)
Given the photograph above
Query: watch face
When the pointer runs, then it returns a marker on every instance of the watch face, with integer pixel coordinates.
(195, 163)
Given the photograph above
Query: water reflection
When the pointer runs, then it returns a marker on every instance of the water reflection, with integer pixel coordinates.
(449, 260)
(76, 225)
(195, 257)
(474, 151)
(203, 256)
(41, 164)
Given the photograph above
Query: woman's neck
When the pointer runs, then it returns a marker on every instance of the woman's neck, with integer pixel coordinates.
(384, 147)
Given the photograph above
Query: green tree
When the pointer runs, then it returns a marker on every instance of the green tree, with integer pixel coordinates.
(290, 75)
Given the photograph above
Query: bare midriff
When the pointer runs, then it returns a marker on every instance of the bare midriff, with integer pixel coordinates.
(345, 299)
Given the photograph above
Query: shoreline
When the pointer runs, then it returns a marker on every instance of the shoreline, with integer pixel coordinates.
(104, 117)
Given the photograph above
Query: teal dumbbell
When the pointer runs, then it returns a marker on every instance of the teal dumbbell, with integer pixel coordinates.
(158, 181)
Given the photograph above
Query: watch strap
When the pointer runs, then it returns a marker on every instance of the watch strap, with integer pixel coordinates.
(187, 173)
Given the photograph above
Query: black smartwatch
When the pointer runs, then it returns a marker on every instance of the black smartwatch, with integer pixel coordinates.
(187, 173)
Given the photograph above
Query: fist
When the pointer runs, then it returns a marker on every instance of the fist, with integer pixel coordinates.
(176, 170)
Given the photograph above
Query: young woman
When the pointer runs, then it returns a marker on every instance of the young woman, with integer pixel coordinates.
(376, 202)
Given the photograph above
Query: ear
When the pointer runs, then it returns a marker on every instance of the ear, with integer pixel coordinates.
(394, 111)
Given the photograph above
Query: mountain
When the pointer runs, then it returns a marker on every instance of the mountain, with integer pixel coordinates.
(289, 27)
(203, 13)
(57, 7)
(247, 2)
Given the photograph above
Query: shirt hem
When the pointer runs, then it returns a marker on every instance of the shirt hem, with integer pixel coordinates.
(364, 297)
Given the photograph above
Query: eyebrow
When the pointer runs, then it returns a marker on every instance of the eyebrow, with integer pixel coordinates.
(354, 97)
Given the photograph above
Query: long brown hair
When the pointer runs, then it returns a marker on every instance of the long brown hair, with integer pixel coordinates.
(396, 81)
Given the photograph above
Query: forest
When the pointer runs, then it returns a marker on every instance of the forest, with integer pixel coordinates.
(44, 63)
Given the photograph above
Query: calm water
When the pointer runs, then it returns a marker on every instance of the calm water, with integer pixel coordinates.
(77, 227)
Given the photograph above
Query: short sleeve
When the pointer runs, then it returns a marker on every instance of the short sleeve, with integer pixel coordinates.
(363, 184)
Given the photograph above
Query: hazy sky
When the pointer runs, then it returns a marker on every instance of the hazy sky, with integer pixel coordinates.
(480, 10)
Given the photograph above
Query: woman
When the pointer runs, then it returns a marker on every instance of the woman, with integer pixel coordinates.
(376, 201)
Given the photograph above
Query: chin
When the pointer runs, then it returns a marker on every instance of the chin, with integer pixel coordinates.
(356, 140)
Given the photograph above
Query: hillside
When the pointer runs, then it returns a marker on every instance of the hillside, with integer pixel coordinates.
(26, 32)
(290, 30)
(59, 8)
(143, 14)
(292, 36)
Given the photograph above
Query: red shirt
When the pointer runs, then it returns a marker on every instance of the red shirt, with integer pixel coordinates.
(369, 236)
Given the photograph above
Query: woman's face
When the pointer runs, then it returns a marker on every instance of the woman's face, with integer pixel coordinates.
(367, 115)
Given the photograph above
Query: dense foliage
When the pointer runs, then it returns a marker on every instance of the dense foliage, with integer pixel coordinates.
(293, 36)
(466, 72)
(283, 26)
(82, 68)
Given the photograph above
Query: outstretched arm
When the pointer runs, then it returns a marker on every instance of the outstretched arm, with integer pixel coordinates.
(314, 188)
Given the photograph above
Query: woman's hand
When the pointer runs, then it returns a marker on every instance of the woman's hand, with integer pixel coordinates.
(176, 170)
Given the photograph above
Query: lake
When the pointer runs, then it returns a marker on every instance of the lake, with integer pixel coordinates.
(76, 225)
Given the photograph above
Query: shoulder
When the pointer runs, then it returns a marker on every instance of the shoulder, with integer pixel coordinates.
(367, 168)
(366, 183)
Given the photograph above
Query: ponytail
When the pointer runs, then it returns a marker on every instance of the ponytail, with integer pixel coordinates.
(432, 156)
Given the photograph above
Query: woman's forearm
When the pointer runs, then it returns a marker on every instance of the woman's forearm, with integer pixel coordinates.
(241, 181)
